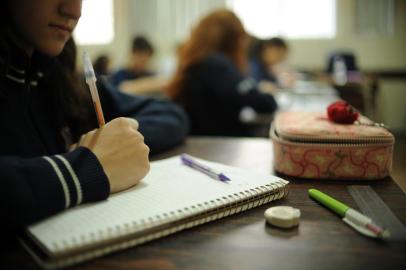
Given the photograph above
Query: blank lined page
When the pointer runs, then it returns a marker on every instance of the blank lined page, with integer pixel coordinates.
(169, 186)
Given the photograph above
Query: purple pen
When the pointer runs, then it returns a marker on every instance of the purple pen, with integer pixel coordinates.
(189, 161)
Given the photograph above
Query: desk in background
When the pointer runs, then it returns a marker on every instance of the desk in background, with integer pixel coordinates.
(305, 96)
(244, 241)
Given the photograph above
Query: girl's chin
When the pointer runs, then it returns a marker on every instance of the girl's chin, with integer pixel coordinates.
(52, 49)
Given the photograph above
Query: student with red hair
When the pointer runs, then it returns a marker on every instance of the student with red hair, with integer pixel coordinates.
(210, 81)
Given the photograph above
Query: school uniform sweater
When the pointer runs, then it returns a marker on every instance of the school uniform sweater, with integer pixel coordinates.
(215, 92)
(260, 72)
(38, 176)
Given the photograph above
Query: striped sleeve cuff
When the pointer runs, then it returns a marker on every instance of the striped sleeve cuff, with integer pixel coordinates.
(80, 176)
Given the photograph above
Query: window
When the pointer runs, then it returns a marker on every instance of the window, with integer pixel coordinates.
(96, 26)
(288, 18)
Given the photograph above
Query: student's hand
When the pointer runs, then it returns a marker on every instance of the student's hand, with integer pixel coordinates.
(147, 85)
(267, 87)
(121, 151)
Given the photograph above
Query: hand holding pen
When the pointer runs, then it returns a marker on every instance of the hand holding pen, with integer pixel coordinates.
(118, 145)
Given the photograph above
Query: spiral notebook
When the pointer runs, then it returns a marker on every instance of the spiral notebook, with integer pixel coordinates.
(171, 198)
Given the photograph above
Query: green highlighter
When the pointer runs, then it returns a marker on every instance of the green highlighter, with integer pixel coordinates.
(355, 219)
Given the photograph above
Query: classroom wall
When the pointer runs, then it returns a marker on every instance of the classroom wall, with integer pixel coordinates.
(372, 52)
(162, 20)
(164, 23)
(119, 47)
(168, 23)
(391, 108)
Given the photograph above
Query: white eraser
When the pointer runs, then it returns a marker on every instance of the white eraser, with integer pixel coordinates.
(282, 216)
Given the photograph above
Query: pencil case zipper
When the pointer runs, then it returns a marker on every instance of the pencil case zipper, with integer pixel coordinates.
(343, 141)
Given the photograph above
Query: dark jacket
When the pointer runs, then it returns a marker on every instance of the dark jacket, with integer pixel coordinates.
(260, 72)
(215, 92)
(38, 176)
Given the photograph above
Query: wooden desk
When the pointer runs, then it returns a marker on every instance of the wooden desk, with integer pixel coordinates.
(244, 241)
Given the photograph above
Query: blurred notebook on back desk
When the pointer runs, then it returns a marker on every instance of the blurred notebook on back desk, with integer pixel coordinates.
(172, 197)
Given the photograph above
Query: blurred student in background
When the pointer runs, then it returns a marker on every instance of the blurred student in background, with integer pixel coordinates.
(266, 57)
(141, 55)
(210, 81)
(101, 65)
(137, 78)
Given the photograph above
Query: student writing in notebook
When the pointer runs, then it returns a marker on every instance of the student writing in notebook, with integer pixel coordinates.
(52, 156)
(211, 80)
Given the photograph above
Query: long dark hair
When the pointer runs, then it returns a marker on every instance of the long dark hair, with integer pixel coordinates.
(65, 94)
(4, 22)
(67, 89)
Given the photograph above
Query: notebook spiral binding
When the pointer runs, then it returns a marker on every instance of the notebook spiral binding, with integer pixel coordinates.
(135, 233)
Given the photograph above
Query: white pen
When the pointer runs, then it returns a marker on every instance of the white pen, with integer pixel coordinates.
(91, 81)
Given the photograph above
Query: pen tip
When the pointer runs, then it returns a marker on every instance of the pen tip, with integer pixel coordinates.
(224, 178)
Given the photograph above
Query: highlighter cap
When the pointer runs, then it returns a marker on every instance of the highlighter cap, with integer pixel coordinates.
(88, 68)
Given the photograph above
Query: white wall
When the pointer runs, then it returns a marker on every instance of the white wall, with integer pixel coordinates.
(391, 108)
(163, 21)
(119, 47)
(167, 23)
(372, 53)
